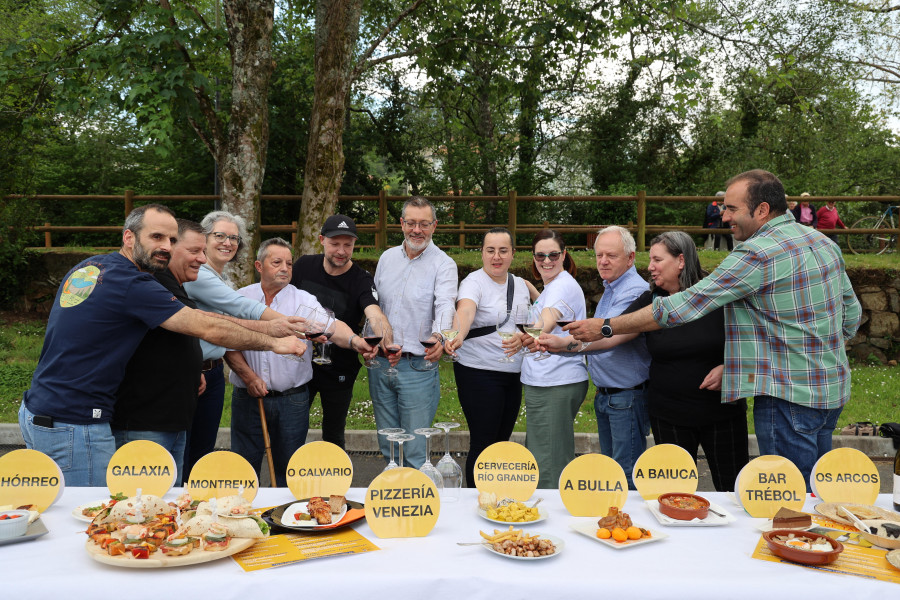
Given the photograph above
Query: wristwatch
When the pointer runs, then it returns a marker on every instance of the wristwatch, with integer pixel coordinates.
(606, 330)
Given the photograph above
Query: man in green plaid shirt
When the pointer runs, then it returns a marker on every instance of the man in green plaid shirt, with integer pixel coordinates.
(789, 309)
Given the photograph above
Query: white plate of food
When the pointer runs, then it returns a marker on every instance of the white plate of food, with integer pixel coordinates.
(542, 516)
(88, 511)
(298, 515)
(535, 539)
(863, 512)
(588, 528)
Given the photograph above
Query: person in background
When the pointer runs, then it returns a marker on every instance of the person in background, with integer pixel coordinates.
(280, 382)
(684, 390)
(555, 387)
(348, 290)
(490, 392)
(160, 409)
(714, 221)
(805, 213)
(416, 283)
(789, 310)
(828, 218)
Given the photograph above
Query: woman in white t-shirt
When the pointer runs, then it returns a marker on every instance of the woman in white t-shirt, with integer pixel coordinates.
(556, 386)
(490, 392)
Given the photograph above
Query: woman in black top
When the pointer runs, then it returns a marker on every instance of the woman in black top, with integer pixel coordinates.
(684, 391)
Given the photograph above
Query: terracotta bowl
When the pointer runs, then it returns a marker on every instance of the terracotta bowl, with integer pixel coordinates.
(891, 543)
(807, 557)
(683, 514)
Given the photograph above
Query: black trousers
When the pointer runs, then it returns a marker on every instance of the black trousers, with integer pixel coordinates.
(335, 406)
(724, 443)
(490, 400)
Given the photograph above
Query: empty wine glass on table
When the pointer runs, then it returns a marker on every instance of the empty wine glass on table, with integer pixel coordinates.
(330, 325)
(428, 337)
(372, 334)
(387, 432)
(427, 467)
(450, 471)
(449, 327)
(395, 347)
(506, 329)
(400, 438)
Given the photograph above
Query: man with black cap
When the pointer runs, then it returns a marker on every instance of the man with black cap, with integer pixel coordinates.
(349, 291)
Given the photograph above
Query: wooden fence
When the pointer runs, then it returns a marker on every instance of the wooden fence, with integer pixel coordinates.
(381, 228)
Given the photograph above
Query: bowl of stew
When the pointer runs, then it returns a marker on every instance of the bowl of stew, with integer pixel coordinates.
(803, 547)
(684, 507)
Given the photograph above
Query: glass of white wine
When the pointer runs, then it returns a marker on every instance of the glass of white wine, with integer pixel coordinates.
(534, 326)
(506, 329)
(449, 329)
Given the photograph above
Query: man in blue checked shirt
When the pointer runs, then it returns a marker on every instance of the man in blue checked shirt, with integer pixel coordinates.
(789, 309)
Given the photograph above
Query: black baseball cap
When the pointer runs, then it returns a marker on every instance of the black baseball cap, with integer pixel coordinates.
(339, 225)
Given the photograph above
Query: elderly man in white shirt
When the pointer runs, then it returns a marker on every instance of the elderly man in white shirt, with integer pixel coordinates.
(279, 381)
(416, 283)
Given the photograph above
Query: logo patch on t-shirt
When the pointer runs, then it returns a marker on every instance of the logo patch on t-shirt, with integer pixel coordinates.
(79, 286)
(97, 413)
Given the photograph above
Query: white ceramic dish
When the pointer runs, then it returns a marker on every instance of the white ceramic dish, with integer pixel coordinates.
(35, 530)
(76, 512)
(589, 528)
(542, 516)
(287, 518)
(560, 545)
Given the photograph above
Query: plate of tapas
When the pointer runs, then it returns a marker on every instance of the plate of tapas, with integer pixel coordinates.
(319, 513)
(863, 512)
(518, 545)
(145, 532)
(88, 511)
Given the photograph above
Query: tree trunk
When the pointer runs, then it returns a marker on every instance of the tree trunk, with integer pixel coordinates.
(242, 157)
(337, 28)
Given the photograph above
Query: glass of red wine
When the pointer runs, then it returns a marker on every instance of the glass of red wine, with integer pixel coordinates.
(428, 337)
(395, 347)
(372, 334)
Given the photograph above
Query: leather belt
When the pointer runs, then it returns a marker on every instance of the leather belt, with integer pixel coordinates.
(209, 365)
(609, 391)
(297, 390)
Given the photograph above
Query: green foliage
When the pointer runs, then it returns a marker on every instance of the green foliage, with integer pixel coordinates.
(16, 219)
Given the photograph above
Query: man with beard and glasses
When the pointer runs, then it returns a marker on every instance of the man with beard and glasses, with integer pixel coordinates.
(101, 313)
(349, 291)
(416, 283)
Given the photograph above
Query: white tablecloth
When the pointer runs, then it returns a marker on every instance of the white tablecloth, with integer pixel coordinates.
(693, 562)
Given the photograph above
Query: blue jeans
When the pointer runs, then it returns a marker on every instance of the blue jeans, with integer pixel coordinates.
(623, 424)
(287, 419)
(799, 433)
(82, 452)
(201, 439)
(408, 400)
(173, 441)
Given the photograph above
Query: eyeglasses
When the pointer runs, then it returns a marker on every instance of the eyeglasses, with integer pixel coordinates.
(420, 224)
(542, 256)
(221, 237)
(502, 252)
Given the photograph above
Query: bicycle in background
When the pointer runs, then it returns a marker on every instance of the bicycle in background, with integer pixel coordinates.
(875, 243)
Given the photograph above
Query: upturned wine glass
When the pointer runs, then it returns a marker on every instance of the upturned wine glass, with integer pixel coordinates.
(400, 438)
(427, 467)
(450, 471)
(387, 432)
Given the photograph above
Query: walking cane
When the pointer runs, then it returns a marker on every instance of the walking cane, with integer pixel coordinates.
(268, 442)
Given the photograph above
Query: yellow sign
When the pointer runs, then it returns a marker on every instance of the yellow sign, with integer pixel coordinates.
(290, 548)
(507, 469)
(402, 502)
(665, 468)
(767, 483)
(141, 464)
(319, 469)
(846, 475)
(221, 474)
(591, 484)
(29, 477)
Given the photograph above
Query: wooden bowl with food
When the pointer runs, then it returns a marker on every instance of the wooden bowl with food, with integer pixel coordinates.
(882, 533)
(803, 547)
(684, 507)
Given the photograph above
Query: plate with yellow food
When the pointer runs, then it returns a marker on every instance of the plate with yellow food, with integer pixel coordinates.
(508, 510)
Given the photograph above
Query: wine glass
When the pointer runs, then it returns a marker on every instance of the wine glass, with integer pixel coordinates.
(450, 471)
(307, 313)
(520, 317)
(427, 467)
(400, 438)
(428, 337)
(372, 334)
(449, 327)
(387, 432)
(566, 314)
(534, 325)
(506, 328)
(394, 348)
(330, 325)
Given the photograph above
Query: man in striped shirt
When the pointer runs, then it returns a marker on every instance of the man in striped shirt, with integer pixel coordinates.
(789, 309)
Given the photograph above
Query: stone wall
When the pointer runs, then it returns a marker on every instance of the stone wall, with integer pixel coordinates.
(877, 289)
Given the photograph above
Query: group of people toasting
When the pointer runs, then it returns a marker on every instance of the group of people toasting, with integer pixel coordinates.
(680, 356)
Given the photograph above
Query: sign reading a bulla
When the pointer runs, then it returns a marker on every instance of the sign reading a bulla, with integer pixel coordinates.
(591, 484)
(141, 464)
(402, 502)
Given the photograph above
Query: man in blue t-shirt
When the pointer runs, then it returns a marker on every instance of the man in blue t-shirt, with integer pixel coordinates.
(101, 313)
